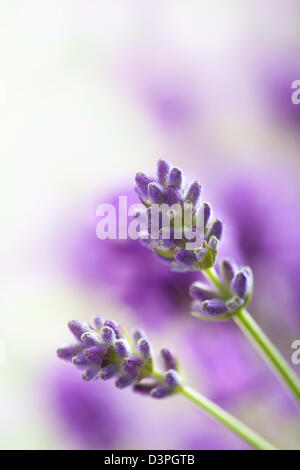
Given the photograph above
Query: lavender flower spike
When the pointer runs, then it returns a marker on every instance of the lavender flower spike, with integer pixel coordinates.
(130, 363)
(188, 250)
(107, 352)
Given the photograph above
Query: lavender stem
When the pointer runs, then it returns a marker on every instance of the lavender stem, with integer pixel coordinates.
(259, 340)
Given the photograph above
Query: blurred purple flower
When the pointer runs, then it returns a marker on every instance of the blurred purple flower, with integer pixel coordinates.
(227, 366)
(130, 272)
(262, 208)
(88, 413)
(168, 87)
(275, 78)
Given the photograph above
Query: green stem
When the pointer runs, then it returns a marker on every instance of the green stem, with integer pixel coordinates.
(259, 340)
(223, 416)
(226, 418)
(269, 352)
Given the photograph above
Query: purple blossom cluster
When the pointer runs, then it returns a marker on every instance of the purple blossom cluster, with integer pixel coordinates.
(170, 189)
(237, 285)
(103, 350)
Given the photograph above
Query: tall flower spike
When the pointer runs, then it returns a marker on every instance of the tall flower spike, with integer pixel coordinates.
(199, 233)
(108, 353)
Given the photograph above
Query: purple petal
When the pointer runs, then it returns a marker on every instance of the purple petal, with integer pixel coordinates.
(108, 335)
(143, 388)
(78, 328)
(227, 269)
(138, 334)
(161, 391)
(193, 193)
(80, 360)
(169, 359)
(95, 354)
(68, 352)
(90, 339)
(214, 307)
(90, 373)
(186, 257)
(122, 347)
(142, 182)
(98, 321)
(163, 168)
(117, 329)
(175, 178)
(216, 229)
(145, 348)
(155, 193)
(241, 283)
(109, 371)
(173, 196)
(124, 381)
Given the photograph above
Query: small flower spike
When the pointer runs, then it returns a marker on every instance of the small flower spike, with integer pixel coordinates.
(195, 244)
(103, 350)
(238, 286)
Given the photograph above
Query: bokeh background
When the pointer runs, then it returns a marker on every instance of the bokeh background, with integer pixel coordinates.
(90, 93)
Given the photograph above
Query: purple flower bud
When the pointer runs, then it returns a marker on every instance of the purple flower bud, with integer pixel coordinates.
(124, 381)
(142, 182)
(173, 196)
(214, 307)
(80, 360)
(122, 347)
(131, 365)
(78, 328)
(175, 178)
(242, 283)
(117, 329)
(69, 352)
(216, 229)
(227, 270)
(98, 321)
(145, 348)
(172, 378)
(90, 339)
(169, 359)
(201, 291)
(108, 335)
(95, 354)
(204, 213)
(193, 193)
(138, 334)
(186, 257)
(144, 388)
(163, 168)
(155, 193)
(90, 373)
(109, 371)
(161, 391)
